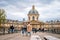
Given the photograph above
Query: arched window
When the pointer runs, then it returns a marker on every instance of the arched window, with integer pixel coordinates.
(33, 18)
(29, 18)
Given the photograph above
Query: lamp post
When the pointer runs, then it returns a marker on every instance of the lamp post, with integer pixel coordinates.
(52, 25)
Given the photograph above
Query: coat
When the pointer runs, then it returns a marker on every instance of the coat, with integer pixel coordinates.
(29, 28)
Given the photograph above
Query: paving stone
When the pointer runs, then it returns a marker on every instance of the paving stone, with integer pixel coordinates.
(18, 36)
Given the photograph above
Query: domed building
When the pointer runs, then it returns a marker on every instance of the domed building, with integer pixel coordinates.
(33, 14)
(33, 17)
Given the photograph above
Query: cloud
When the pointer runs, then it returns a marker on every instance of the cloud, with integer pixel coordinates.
(18, 9)
(3, 3)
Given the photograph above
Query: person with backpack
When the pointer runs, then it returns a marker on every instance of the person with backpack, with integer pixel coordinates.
(12, 29)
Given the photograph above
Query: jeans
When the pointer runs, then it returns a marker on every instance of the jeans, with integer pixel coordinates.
(11, 30)
(28, 33)
(23, 31)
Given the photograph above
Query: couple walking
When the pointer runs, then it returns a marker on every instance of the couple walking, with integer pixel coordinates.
(27, 29)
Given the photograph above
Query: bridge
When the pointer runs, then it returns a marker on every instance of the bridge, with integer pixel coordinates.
(19, 36)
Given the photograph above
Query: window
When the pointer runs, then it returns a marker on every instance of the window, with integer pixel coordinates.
(37, 18)
(33, 18)
(29, 18)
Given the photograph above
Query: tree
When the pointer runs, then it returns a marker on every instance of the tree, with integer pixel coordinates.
(2, 16)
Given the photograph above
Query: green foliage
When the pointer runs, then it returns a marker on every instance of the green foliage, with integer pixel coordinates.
(2, 16)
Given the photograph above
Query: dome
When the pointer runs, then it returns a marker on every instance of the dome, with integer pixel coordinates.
(33, 11)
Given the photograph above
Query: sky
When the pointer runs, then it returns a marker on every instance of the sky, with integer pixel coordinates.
(18, 9)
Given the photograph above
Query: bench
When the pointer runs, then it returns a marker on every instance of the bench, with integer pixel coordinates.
(48, 37)
(35, 37)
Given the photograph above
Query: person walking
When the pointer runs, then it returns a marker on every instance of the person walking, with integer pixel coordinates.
(43, 29)
(29, 29)
(12, 29)
(24, 28)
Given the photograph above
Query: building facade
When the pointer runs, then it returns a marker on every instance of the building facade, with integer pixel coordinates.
(33, 18)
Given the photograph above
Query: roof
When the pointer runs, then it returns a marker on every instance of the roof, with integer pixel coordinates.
(33, 10)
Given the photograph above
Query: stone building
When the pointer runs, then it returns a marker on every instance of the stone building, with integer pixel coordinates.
(4, 28)
(33, 18)
(53, 26)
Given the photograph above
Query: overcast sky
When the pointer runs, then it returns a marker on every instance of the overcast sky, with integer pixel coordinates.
(18, 9)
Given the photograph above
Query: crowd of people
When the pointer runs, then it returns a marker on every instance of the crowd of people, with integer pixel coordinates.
(26, 29)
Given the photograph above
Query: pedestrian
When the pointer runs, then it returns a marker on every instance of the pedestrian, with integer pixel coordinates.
(12, 29)
(29, 29)
(24, 28)
(43, 29)
(34, 30)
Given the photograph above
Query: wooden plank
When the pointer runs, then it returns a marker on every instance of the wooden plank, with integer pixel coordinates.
(48, 37)
(35, 37)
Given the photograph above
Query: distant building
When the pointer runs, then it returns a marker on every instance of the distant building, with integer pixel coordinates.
(33, 18)
(17, 24)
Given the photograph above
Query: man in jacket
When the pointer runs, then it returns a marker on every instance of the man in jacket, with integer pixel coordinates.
(29, 28)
